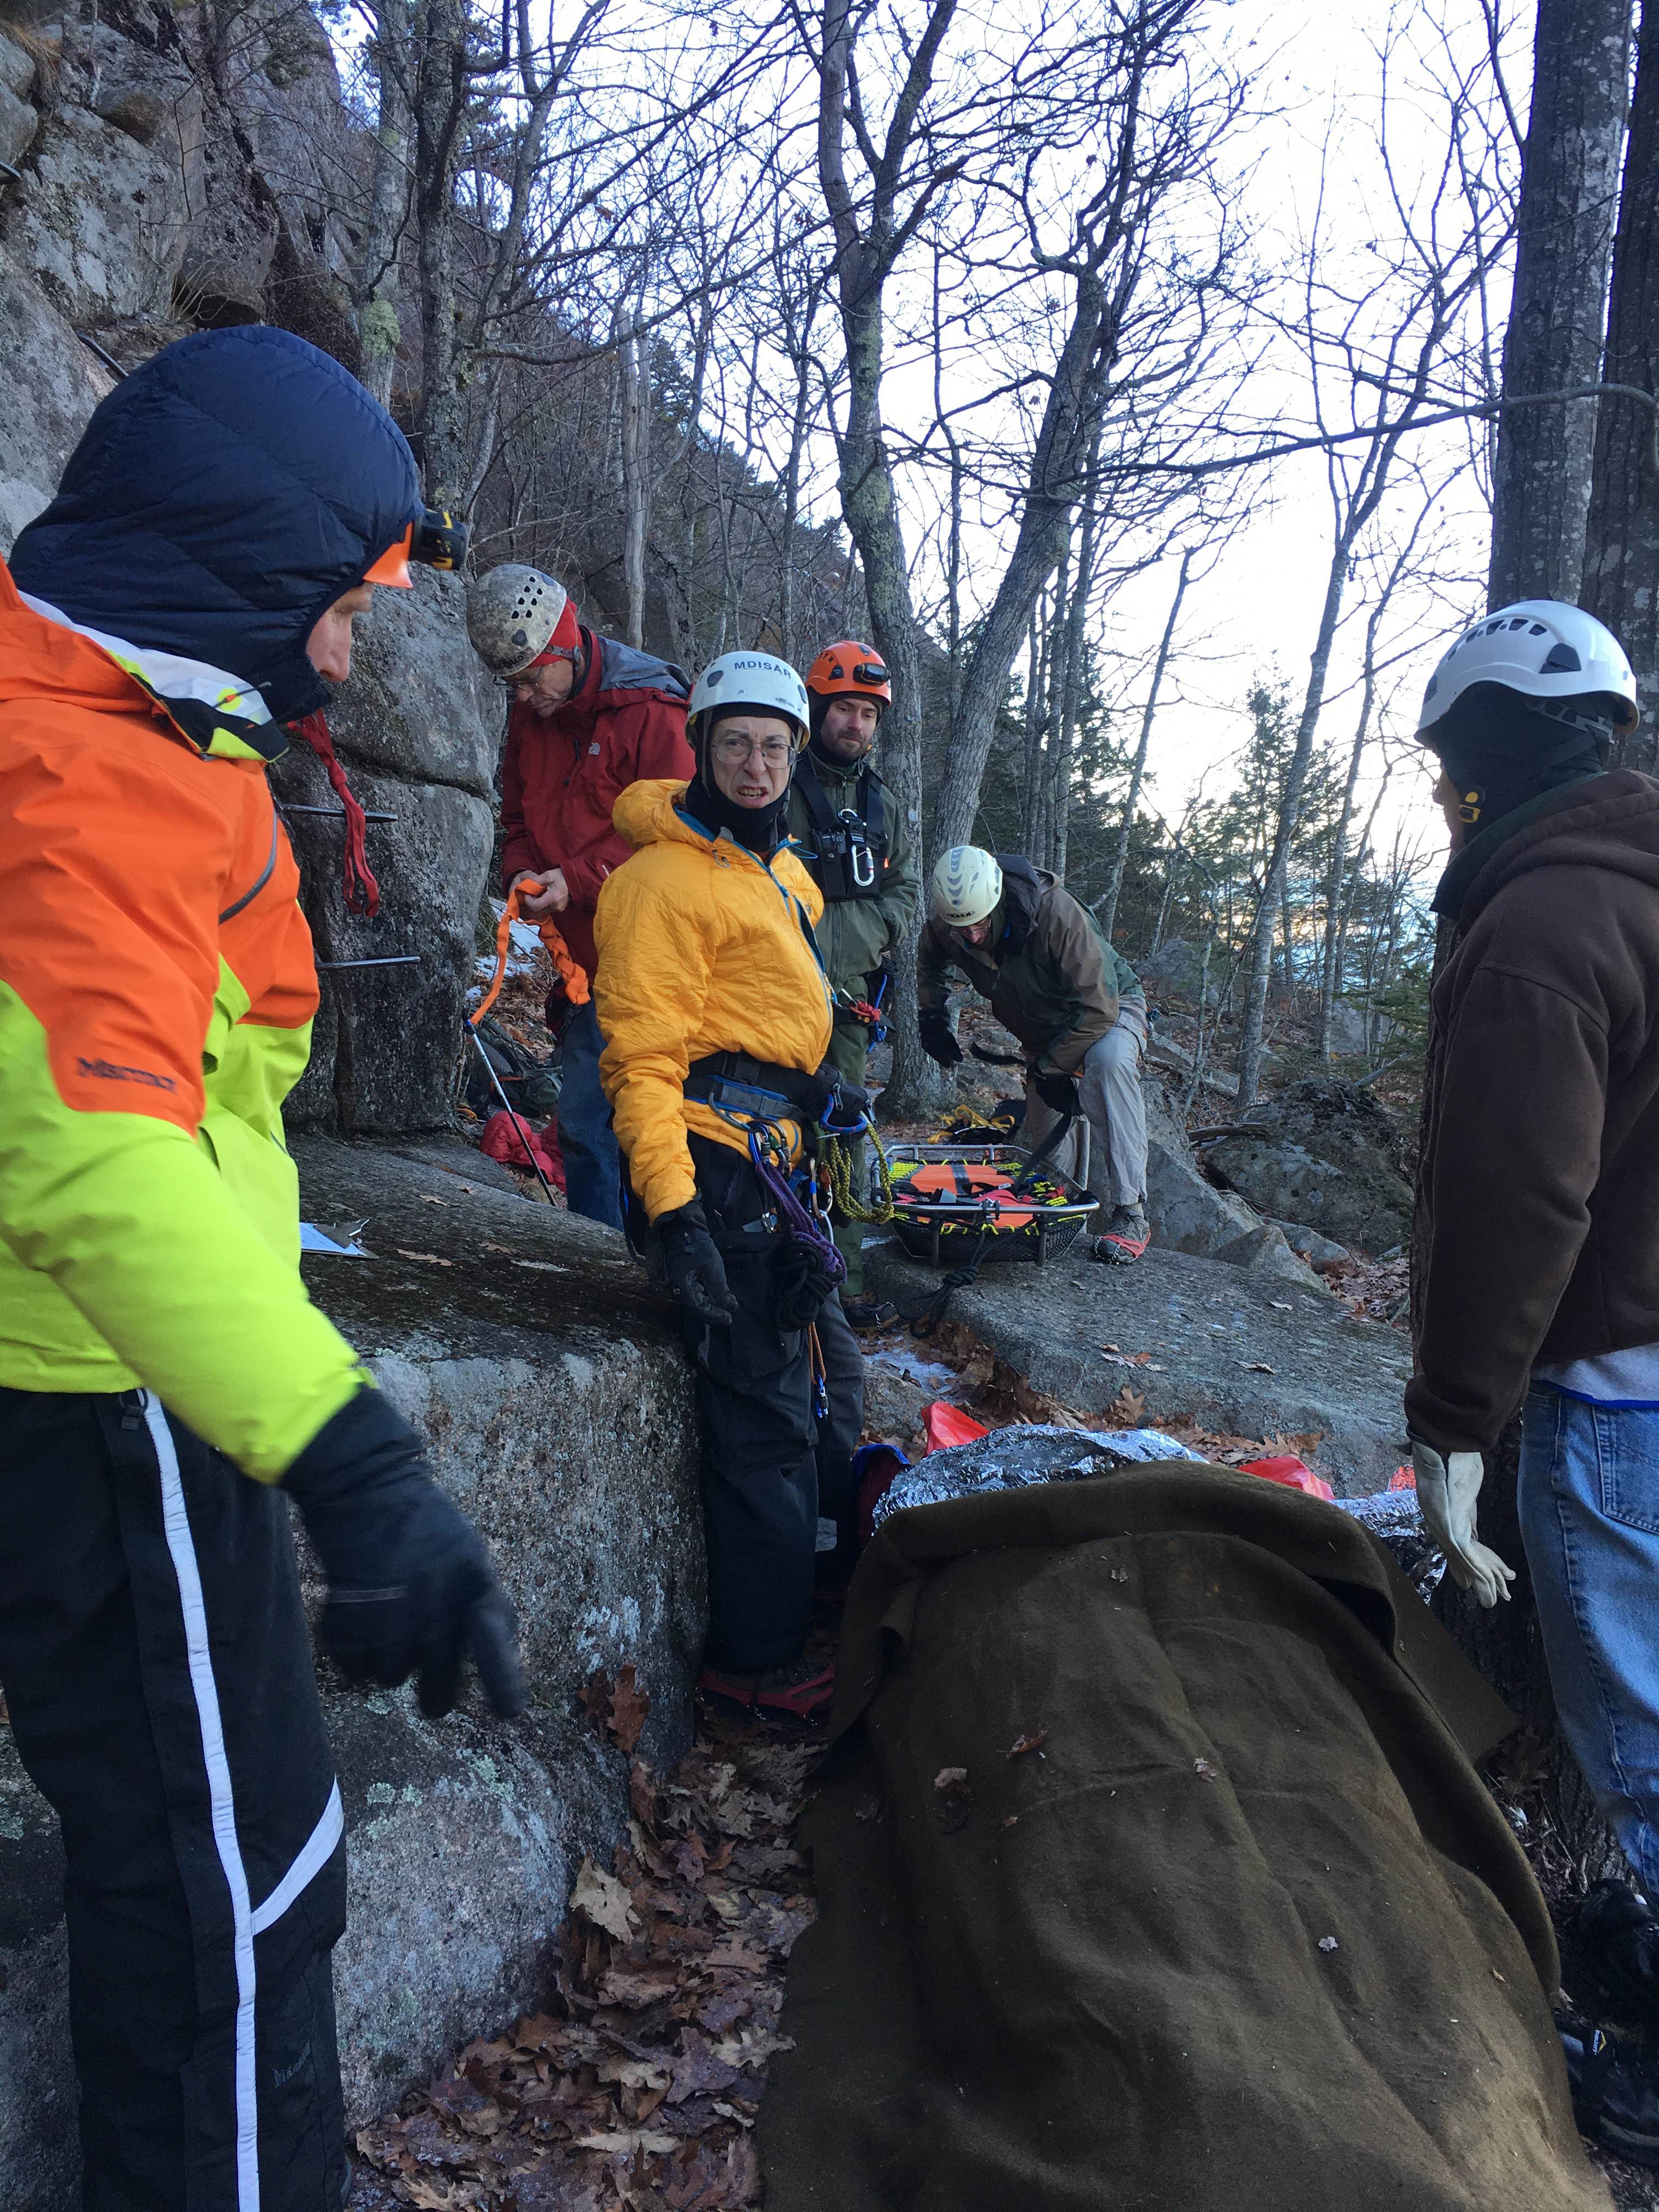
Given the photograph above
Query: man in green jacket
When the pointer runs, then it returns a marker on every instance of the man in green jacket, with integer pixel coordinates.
(1053, 977)
(861, 851)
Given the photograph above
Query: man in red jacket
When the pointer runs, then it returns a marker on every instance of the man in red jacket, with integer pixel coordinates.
(589, 717)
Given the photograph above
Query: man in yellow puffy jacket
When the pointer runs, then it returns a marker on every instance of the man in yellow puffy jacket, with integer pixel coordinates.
(162, 1369)
(715, 1003)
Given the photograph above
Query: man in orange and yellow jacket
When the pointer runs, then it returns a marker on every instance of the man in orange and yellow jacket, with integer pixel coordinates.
(162, 1371)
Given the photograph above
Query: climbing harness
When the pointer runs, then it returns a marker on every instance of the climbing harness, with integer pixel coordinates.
(850, 845)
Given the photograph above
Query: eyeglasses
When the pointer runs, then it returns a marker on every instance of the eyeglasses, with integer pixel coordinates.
(733, 751)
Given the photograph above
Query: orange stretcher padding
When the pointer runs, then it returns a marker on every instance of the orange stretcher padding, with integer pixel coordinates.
(575, 978)
(961, 1183)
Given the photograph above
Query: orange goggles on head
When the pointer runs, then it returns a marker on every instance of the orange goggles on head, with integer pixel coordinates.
(392, 566)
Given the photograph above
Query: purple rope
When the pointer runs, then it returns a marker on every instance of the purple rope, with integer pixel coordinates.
(799, 1222)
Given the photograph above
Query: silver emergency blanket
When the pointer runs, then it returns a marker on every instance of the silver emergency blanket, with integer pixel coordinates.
(1014, 1458)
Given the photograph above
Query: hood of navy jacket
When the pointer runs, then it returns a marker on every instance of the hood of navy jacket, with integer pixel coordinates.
(222, 498)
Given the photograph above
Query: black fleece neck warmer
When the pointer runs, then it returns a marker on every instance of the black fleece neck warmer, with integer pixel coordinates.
(757, 828)
(1495, 744)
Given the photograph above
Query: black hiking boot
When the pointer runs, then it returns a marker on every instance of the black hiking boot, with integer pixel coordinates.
(866, 1315)
(1617, 1938)
(1615, 2092)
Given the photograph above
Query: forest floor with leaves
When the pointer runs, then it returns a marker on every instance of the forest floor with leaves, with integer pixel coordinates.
(636, 2087)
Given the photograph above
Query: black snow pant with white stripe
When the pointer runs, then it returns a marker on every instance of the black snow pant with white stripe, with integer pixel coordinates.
(154, 1656)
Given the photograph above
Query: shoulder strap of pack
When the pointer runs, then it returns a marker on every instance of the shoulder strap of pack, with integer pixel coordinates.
(816, 797)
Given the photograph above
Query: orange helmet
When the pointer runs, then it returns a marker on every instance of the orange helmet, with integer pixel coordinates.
(849, 670)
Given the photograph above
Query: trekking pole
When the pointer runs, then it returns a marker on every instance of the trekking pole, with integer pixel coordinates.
(512, 1112)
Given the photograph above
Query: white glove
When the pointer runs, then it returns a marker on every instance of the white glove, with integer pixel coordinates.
(1447, 1490)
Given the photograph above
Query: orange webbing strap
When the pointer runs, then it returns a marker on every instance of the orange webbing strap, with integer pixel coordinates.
(574, 978)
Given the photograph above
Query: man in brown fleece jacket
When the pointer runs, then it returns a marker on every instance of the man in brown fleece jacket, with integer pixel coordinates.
(1535, 1242)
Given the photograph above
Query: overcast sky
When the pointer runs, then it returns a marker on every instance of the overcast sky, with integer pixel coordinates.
(1260, 610)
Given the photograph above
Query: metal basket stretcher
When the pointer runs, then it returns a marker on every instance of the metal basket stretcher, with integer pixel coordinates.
(943, 1230)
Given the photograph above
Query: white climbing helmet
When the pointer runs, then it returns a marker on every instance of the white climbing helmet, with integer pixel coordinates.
(757, 682)
(1542, 648)
(966, 886)
(514, 614)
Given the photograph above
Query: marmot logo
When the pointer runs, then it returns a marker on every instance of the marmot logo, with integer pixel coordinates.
(111, 1073)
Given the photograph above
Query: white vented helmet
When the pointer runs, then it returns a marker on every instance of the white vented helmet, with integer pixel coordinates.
(756, 682)
(1542, 648)
(967, 884)
(512, 612)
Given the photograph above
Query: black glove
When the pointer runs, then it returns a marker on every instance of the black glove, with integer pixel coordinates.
(410, 1588)
(697, 1273)
(933, 1027)
(1059, 1092)
(825, 1090)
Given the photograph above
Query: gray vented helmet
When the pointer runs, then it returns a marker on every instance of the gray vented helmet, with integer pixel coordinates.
(512, 614)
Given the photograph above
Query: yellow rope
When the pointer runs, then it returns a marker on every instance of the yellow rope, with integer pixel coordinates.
(839, 1162)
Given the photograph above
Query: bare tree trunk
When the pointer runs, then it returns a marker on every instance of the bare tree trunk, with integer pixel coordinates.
(1290, 809)
(1330, 961)
(636, 475)
(1030, 811)
(376, 292)
(1077, 615)
(867, 246)
(1108, 906)
(1569, 192)
(1621, 557)
(441, 93)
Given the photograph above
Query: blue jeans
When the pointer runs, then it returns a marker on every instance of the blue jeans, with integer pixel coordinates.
(1590, 1516)
(592, 1166)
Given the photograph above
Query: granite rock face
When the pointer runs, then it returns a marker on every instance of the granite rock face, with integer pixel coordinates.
(547, 1379)
(1189, 1214)
(1325, 1154)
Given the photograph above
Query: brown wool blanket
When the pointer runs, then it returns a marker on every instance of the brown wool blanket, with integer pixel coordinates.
(1240, 1930)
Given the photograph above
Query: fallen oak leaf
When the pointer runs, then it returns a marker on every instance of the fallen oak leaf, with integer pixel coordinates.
(1027, 1743)
(630, 1707)
(1205, 1771)
(602, 1899)
(431, 1258)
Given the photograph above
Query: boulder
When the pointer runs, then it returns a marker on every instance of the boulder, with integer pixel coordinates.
(1325, 1153)
(17, 69)
(1246, 1352)
(102, 220)
(1176, 970)
(1265, 1250)
(52, 385)
(548, 1380)
(412, 733)
(419, 702)
(1308, 1244)
(18, 122)
(1188, 1214)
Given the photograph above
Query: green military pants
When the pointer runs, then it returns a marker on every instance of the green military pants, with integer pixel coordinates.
(849, 1049)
